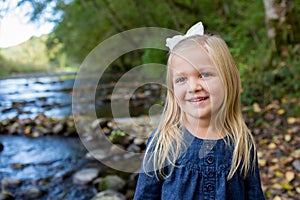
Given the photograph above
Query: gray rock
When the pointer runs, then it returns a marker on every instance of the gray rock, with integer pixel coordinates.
(6, 197)
(85, 176)
(139, 141)
(12, 129)
(116, 149)
(109, 195)
(296, 165)
(112, 182)
(98, 123)
(97, 154)
(30, 193)
(58, 128)
(134, 148)
(10, 183)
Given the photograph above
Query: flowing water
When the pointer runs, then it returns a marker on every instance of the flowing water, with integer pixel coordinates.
(46, 162)
(26, 97)
(50, 161)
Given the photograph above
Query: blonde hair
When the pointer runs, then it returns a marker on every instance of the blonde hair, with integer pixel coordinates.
(167, 142)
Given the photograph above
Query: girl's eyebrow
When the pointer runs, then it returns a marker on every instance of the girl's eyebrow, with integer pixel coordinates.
(177, 74)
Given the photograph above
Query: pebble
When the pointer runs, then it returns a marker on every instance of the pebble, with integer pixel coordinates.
(109, 195)
(116, 149)
(13, 128)
(97, 154)
(139, 141)
(112, 182)
(10, 183)
(85, 176)
(30, 193)
(6, 197)
(134, 148)
(99, 123)
(296, 165)
(58, 128)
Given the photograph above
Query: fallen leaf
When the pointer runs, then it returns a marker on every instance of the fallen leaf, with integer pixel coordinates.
(276, 186)
(283, 100)
(296, 153)
(298, 189)
(271, 106)
(277, 198)
(259, 153)
(280, 112)
(262, 162)
(291, 120)
(274, 160)
(287, 138)
(289, 176)
(272, 146)
(278, 174)
(286, 186)
(264, 141)
(273, 167)
(256, 108)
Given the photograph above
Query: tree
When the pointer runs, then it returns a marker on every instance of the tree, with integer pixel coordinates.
(253, 31)
(283, 27)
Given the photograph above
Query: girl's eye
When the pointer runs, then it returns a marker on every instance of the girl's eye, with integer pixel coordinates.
(205, 75)
(180, 80)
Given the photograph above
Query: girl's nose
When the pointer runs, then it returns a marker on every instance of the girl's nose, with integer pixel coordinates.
(195, 85)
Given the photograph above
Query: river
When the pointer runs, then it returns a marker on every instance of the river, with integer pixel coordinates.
(26, 97)
(49, 162)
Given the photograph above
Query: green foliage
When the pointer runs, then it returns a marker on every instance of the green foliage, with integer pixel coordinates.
(117, 136)
(27, 57)
(154, 56)
(85, 24)
(4, 65)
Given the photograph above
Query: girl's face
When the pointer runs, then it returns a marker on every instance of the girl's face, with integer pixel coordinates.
(198, 89)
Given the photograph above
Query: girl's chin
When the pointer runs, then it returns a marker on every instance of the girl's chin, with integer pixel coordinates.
(198, 116)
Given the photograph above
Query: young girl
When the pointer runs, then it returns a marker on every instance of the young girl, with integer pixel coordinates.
(202, 148)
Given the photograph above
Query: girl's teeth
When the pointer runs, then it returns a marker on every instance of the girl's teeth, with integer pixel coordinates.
(200, 99)
(195, 100)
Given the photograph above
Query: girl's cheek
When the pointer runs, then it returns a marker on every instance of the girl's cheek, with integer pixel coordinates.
(179, 93)
(212, 87)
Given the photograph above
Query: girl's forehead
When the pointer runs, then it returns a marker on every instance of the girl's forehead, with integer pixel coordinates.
(192, 58)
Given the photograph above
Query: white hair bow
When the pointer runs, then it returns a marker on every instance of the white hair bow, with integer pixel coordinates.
(196, 29)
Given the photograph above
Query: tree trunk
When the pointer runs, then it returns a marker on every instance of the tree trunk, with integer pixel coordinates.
(282, 27)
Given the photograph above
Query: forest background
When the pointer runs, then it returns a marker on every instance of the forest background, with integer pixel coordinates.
(263, 36)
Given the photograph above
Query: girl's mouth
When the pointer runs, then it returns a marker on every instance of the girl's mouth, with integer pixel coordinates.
(198, 99)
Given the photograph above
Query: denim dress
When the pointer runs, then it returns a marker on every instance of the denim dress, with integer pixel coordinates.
(200, 174)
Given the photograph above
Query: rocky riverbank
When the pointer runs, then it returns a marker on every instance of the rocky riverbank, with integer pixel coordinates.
(90, 179)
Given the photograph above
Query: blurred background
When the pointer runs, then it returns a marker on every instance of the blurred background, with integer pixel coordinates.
(43, 43)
